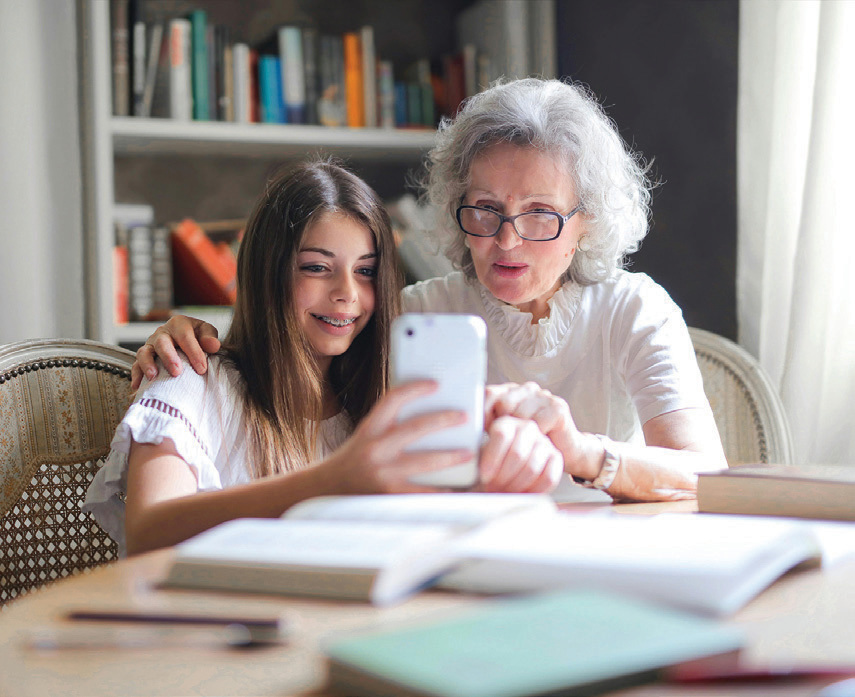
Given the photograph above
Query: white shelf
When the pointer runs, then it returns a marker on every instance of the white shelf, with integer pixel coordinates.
(138, 137)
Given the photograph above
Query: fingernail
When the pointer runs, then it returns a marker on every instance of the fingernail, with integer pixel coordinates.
(151, 374)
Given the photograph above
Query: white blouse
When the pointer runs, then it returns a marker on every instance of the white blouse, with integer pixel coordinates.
(203, 416)
(617, 351)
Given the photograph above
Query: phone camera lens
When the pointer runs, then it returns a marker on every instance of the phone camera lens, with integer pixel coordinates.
(410, 332)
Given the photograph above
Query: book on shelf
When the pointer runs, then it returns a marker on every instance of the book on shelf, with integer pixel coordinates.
(153, 55)
(180, 70)
(293, 78)
(569, 643)
(377, 548)
(120, 56)
(800, 491)
(270, 88)
(199, 63)
(205, 272)
(310, 73)
(353, 80)
(138, 66)
(240, 75)
(385, 94)
(703, 563)
(369, 75)
(332, 109)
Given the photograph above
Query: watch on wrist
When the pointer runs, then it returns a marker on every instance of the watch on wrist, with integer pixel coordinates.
(610, 467)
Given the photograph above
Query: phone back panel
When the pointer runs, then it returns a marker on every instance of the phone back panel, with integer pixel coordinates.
(451, 349)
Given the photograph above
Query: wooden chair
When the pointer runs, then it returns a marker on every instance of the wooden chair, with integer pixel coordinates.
(748, 411)
(60, 402)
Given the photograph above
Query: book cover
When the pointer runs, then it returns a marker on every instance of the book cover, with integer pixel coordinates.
(203, 275)
(369, 75)
(331, 100)
(199, 63)
(270, 89)
(161, 273)
(293, 73)
(254, 93)
(120, 48)
(570, 643)
(353, 80)
(242, 88)
(800, 491)
(222, 72)
(311, 76)
(180, 71)
(228, 102)
(386, 91)
(138, 72)
(155, 41)
(140, 288)
(211, 51)
(121, 314)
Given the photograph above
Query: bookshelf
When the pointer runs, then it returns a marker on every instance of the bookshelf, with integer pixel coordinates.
(113, 144)
(212, 170)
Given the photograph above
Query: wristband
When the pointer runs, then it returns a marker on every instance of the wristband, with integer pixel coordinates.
(610, 467)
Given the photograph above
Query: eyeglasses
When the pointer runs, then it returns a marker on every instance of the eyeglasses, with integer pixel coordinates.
(537, 226)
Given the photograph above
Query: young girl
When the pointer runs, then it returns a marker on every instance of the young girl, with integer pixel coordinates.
(304, 361)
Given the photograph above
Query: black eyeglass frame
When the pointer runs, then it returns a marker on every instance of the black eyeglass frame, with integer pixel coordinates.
(512, 220)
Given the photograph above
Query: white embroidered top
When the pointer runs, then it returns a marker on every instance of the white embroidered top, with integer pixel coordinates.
(204, 417)
(618, 351)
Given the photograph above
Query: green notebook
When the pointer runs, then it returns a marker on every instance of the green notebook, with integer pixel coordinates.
(572, 643)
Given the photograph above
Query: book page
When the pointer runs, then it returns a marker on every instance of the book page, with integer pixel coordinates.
(306, 542)
(459, 509)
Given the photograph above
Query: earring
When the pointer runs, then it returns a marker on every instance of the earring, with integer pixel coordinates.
(583, 244)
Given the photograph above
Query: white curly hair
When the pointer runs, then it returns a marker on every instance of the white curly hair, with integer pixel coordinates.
(566, 121)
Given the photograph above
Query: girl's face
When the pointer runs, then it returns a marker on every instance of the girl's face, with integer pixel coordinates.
(511, 180)
(334, 283)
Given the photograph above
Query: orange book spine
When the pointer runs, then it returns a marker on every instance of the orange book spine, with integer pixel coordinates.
(354, 88)
(121, 291)
(203, 274)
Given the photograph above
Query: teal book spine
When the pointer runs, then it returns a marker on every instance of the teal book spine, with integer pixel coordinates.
(199, 51)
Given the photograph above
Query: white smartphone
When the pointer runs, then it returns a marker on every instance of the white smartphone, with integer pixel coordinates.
(451, 349)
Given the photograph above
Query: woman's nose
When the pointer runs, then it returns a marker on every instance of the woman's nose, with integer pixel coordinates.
(507, 237)
(344, 288)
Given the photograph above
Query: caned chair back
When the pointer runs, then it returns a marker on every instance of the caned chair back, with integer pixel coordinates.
(747, 408)
(60, 402)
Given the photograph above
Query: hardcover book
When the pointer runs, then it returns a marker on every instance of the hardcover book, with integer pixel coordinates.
(569, 643)
(800, 491)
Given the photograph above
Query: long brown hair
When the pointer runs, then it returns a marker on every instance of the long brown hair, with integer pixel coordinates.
(284, 384)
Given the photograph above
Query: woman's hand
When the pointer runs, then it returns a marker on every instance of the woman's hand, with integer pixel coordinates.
(518, 458)
(553, 418)
(194, 337)
(374, 459)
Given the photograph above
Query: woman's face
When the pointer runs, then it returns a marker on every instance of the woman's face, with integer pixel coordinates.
(512, 179)
(334, 283)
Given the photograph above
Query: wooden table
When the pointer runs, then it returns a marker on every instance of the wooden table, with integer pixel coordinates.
(807, 616)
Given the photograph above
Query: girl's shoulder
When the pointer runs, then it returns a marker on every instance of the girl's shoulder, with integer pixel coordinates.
(449, 293)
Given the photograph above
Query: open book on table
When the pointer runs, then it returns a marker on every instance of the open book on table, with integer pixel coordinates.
(377, 548)
(384, 548)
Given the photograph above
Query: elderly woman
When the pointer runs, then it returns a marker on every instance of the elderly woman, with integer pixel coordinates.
(540, 202)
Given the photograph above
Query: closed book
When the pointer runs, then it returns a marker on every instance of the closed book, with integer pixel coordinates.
(331, 100)
(242, 88)
(401, 101)
(568, 643)
(386, 92)
(310, 73)
(120, 56)
(254, 92)
(376, 548)
(293, 73)
(270, 88)
(353, 80)
(180, 70)
(369, 75)
(161, 273)
(121, 313)
(801, 491)
(203, 274)
(211, 44)
(222, 72)
(138, 67)
(155, 41)
(140, 288)
(199, 63)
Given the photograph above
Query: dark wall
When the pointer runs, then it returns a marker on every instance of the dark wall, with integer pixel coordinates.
(666, 71)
